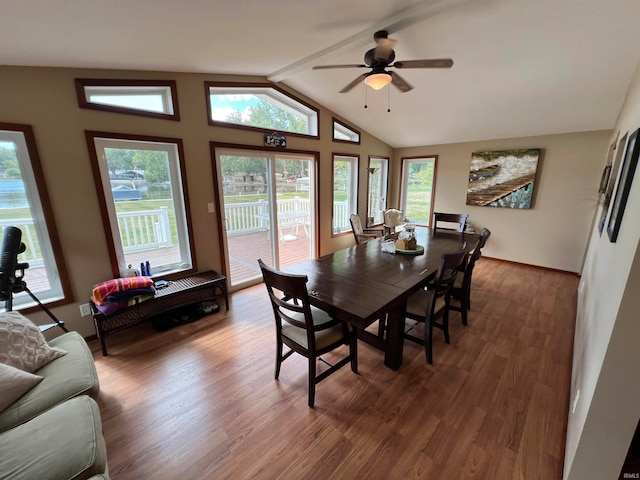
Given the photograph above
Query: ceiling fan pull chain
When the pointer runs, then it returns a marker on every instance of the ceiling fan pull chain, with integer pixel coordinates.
(388, 99)
(365, 96)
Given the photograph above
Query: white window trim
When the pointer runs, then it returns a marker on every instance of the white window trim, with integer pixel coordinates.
(55, 292)
(271, 95)
(125, 91)
(405, 180)
(352, 192)
(167, 89)
(350, 135)
(383, 163)
(100, 143)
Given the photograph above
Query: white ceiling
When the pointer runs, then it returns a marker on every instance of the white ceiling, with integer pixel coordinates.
(521, 67)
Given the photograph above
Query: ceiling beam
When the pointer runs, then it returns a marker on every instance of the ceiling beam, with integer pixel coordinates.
(402, 19)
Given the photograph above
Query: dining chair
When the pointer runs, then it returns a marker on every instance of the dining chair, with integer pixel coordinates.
(450, 218)
(461, 289)
(392, 218)
(431, 304)
(362, 234)
(305, 329)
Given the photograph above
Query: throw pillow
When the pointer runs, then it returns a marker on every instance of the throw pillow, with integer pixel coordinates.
(22, 345)
(14, 383)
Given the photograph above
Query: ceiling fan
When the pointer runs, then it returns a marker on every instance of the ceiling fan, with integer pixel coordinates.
(380, 58)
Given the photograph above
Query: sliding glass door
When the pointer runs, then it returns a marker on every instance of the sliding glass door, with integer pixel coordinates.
(267, 210)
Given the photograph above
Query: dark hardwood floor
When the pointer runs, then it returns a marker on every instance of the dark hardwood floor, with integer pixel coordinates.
(200, 401)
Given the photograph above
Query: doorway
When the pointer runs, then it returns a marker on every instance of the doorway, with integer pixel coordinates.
(267, 210)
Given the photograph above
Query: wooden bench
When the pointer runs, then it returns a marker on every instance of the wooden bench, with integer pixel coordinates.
(196, 288)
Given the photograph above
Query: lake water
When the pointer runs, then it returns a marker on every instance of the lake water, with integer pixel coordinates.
(12, 194)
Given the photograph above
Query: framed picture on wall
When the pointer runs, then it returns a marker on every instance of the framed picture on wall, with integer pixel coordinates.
(624, 186)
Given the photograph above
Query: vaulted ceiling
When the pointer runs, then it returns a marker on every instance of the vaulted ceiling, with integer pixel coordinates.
(521, 67)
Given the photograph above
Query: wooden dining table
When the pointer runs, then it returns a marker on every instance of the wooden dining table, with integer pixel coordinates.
(362, 284)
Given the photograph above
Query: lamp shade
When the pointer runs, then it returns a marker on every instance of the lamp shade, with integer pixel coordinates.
(378, 80)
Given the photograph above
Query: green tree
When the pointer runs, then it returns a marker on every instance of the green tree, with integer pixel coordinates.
(13, 172)
(9, 162)
(155, 165)
(119, 159)
(267, 115)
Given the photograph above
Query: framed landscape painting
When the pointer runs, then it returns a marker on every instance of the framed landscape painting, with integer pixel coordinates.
(502, 178)
(624, 186)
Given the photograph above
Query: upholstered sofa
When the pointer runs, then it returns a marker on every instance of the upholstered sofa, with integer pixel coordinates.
(53, 430)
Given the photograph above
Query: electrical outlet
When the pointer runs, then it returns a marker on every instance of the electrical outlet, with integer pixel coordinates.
(85, 310)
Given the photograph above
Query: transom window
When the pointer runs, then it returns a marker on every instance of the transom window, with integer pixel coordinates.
(345, 191)
(135, 97)
(259, 106)
(24, 204)
(143, 203)
(343, 133)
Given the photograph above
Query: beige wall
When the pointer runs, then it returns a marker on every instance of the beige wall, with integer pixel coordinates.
(46, 99)
(554, 232)
(605, 393)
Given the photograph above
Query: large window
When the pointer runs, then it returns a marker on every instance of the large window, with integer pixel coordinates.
(377, 189)
(149, 98)
(259, 106)
(143, 198)
(345, 191)
(24, 204)
(418, 189)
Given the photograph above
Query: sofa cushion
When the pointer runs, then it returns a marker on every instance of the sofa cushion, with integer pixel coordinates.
(14, 383)
(66, 377)
(22, 345)
(62, 443)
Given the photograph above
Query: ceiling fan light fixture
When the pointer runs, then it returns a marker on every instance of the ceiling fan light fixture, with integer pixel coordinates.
(378, 81)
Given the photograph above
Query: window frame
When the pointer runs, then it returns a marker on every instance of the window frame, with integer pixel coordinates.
(404, 181)
(353, 199)
(345, 127)
(83, 102)
(239, 87)
(61, 295)
(107, 220)
(384, 161)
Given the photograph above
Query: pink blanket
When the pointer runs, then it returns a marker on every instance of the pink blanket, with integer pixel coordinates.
(102, 290)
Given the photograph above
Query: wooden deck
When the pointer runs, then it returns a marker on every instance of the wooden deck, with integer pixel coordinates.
(245, 250)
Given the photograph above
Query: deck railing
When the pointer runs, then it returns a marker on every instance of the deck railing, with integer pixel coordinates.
(252, 217)
(145, 230)
(150, 229)
(32, 254)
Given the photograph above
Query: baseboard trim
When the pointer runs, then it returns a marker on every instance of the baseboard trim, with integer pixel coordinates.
(549, 269)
